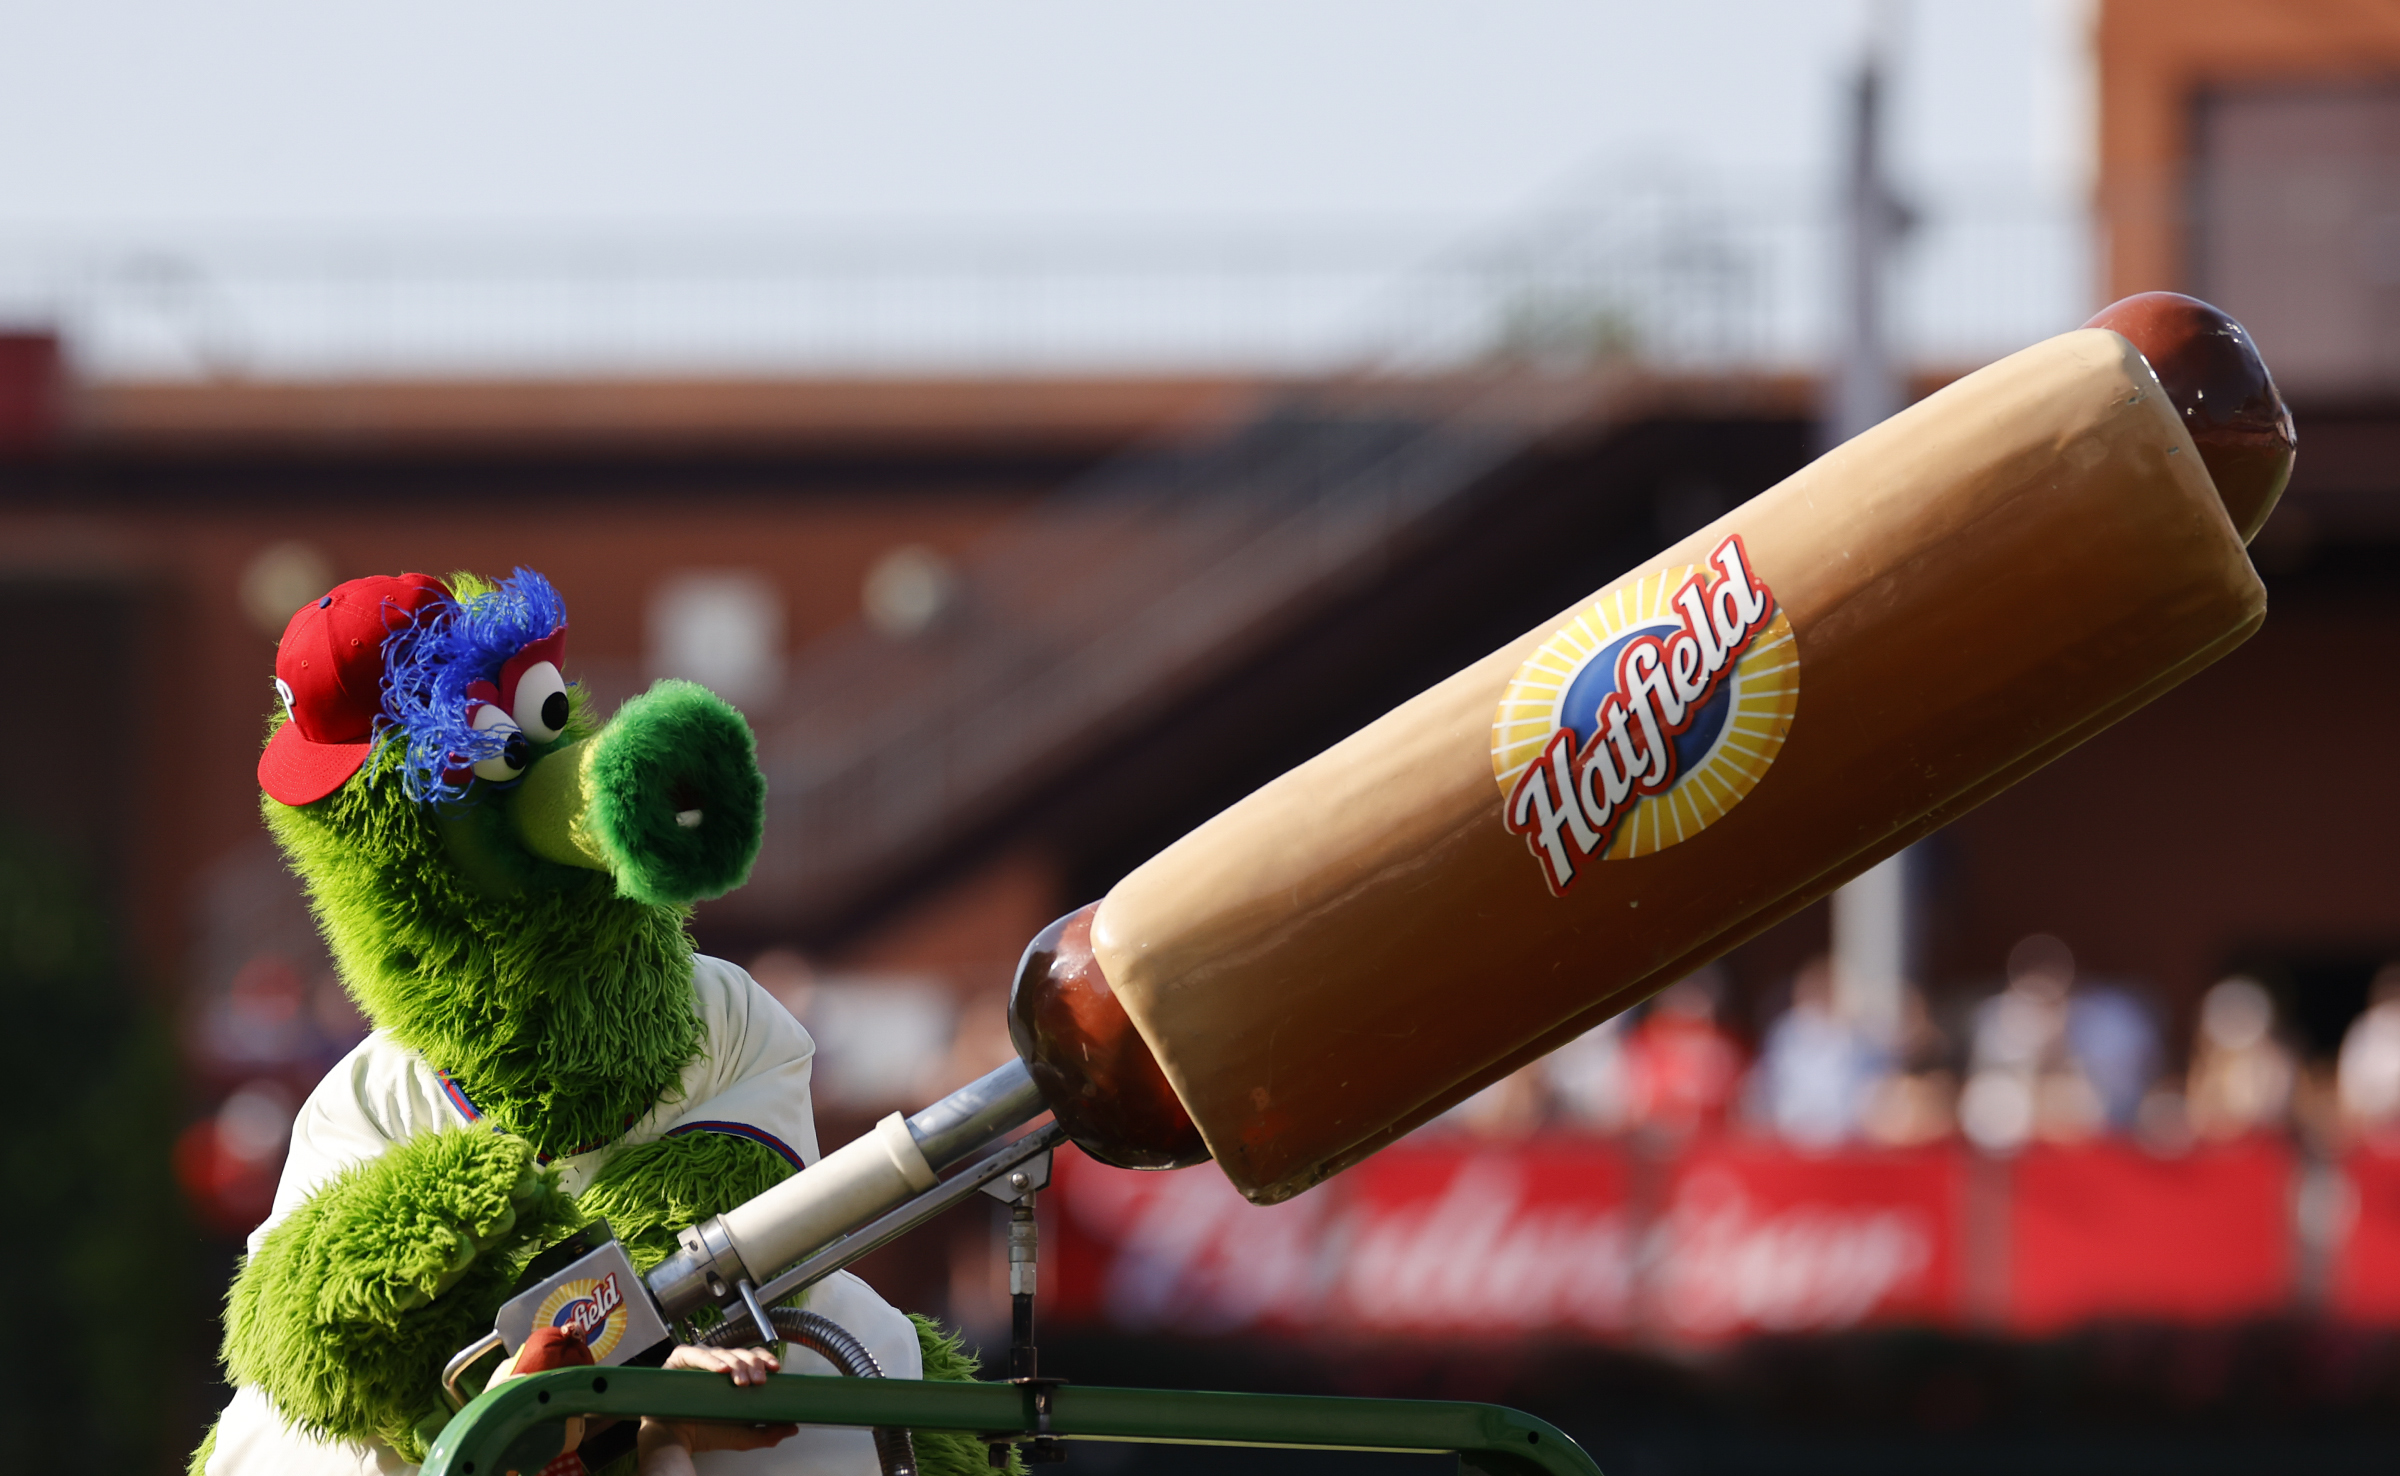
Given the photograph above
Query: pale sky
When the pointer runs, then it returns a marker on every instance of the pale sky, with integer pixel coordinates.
(327, 112)
(148, 124)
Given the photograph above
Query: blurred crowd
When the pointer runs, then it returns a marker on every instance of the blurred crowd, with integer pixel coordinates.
(2046, 1057)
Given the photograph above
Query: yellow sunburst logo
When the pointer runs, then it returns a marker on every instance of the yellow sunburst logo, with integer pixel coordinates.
(1648, 716)
(591, 1308)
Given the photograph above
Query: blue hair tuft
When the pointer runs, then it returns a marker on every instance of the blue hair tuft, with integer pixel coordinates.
(429, 663)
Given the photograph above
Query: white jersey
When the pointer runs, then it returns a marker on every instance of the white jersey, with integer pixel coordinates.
(750, 1080)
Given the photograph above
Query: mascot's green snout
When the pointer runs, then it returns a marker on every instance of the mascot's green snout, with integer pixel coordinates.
(505, 884)
(667, 798)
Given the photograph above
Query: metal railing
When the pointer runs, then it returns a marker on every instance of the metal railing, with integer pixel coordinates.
(1487, 1438)
(1670, 267)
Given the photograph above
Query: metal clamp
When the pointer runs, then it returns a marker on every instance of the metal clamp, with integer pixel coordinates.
(1041, 1445)
(703, 1269)
(1044, 1446)
(1033, 1174)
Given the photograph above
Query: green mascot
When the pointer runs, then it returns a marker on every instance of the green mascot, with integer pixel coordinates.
(505, 884)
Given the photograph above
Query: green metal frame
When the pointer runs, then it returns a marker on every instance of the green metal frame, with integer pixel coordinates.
(1487, 1438)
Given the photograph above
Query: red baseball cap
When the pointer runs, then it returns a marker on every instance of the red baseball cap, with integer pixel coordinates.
(329, 673)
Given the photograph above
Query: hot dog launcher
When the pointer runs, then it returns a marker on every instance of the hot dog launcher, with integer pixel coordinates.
(1726, 733)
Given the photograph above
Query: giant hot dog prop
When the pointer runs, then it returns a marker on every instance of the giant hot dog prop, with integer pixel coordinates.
(1859, 654)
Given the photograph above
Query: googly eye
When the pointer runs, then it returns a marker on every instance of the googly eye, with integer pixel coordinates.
(541, 703)
(513, 756)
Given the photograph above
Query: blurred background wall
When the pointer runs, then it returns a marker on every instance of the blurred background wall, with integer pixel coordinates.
(1048, 431)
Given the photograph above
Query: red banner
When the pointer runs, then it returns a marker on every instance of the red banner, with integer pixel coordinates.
(1477, 1240)
(2366, 1270)
(2107, 1230)
(1578, 1238)
(1501, 1241)
(1531, 1238)
(1757, 1238)
(1181, 1251)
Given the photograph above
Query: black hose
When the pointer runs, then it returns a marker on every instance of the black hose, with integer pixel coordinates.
(894, 1449)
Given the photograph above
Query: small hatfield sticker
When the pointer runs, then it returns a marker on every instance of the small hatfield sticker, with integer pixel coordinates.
(1646, 717)
(592, 1308)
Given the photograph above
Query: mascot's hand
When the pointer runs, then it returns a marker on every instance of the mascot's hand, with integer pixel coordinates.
(353, 1304)
(666, 1447)
(480, 1228)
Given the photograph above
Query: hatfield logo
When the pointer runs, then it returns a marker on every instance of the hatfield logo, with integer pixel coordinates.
(588, 1307)
(1648, 716)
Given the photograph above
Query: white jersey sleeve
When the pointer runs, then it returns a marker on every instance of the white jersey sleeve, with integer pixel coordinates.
(380, 1094)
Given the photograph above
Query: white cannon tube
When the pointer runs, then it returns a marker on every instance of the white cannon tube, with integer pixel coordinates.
(838, 1192)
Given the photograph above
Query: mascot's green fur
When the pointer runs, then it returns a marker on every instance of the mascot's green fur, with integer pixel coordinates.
(562, 995)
